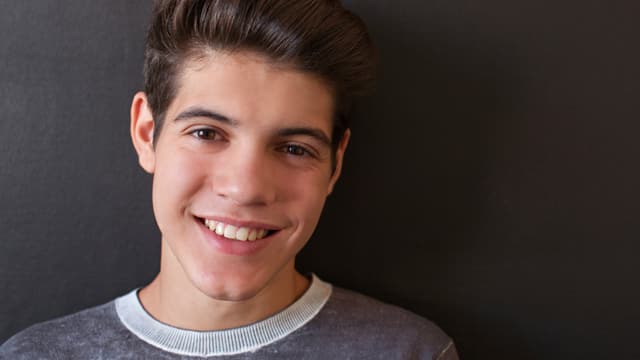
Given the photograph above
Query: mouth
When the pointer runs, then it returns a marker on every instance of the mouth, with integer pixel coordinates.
(233, 232)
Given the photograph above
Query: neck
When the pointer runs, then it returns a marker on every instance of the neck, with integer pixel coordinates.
(173, 299)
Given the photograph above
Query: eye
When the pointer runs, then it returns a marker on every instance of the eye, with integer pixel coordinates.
(206, 134)
(296, 150)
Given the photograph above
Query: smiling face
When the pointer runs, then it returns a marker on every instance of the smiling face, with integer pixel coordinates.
(242, 168)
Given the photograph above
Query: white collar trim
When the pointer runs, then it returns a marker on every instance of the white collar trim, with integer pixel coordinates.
(223, 342)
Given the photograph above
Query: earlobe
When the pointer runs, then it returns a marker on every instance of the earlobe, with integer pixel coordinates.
(342, 147)
(142, 128)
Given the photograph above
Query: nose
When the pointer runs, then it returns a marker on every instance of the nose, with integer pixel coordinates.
(244, 176)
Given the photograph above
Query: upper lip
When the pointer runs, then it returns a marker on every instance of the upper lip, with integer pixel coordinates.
(241, 223)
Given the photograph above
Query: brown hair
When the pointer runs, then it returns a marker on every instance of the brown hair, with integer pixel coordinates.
(320, 37)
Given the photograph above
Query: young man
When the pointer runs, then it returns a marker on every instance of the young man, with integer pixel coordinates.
(242, 124)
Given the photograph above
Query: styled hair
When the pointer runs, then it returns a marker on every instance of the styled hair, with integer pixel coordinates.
(319, 37)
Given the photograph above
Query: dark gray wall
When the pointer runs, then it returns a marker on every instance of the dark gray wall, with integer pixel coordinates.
(491, 184)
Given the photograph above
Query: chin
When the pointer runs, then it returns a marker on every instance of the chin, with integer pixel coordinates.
(230, 287)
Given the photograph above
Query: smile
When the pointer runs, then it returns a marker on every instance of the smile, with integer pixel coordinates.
(234, 232)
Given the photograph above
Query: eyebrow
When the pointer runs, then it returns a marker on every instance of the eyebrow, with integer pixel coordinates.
(199, 112)
(311, 132)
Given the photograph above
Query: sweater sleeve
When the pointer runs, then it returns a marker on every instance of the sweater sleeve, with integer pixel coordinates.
(27, 345)
(448, 353)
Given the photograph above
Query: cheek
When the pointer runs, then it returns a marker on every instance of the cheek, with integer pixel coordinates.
(176, 179)
(307, 193)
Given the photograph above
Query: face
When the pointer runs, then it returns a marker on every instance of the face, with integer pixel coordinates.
(241, 171)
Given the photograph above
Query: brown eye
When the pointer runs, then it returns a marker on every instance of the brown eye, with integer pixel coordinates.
(296, 150)
(205, 134)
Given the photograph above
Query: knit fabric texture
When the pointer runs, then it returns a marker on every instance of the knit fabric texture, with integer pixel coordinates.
(325, 323)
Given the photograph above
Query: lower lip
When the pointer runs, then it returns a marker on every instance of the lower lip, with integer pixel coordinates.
(233, 247)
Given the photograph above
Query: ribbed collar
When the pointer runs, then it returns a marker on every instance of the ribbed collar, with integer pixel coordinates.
(222, 342)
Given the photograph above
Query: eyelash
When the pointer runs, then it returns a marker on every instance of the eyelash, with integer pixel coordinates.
(198, 133)
(296, 150)
(289, 149)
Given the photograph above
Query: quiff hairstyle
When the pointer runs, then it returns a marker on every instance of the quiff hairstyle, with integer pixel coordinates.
(319, 37)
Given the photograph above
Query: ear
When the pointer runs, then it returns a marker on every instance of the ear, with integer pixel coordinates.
(342, 147)
(142, 127)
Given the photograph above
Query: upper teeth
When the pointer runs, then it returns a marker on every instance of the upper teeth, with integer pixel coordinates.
(233, 232)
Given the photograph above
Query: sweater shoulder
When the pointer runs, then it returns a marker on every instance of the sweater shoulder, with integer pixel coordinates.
(56, 338)
(361, 308)
(376, 324)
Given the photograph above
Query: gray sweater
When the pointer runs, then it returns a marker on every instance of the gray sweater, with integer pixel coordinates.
(325, 323)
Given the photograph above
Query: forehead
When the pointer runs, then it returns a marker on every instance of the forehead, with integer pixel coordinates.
(247, 87)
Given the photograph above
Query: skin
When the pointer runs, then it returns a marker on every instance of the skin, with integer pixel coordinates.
(266, 165)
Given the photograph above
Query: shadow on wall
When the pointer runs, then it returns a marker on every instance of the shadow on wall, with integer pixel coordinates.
(410, 220)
